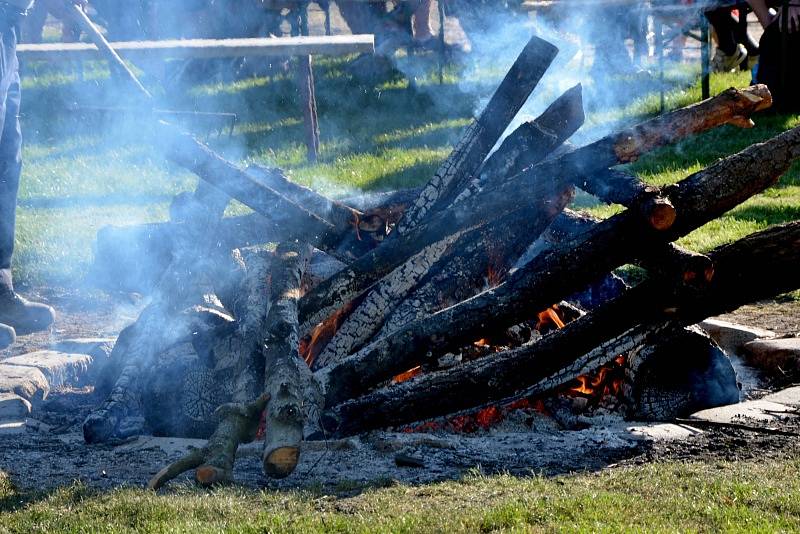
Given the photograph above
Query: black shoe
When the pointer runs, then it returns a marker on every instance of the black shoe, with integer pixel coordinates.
(24, 316)
(7, 336)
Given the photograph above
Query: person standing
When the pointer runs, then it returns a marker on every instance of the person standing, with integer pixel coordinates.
(17, 315)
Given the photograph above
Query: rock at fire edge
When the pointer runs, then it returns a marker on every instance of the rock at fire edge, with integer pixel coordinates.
(732, 337)
(27, 382)
(13, 407)
(779, 358)
(58, 367)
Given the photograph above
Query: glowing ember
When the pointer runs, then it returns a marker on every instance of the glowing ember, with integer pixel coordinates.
(407, 375)
(481, 419)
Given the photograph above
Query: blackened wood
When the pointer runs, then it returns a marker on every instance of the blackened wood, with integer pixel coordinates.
(299, 223)
(467, 258)
(483, 133)
(556, 274)
(670, 261)
(523, 190)
(617, 187)
(631, 320)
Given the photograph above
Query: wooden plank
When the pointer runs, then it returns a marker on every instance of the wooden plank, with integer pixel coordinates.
(204, 48)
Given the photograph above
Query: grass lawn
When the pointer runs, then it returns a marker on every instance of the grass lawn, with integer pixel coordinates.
(759, 496)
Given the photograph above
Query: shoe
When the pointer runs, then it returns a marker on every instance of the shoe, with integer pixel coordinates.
(723, 62)
(7, 336)
(24, 316)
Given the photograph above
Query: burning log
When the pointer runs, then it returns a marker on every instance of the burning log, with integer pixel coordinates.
(586, 343)
(544, 180)
(553, 276)
(544, 134)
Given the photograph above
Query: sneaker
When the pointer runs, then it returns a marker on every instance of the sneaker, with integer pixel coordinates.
(24, 316)
(722, 62)
(7, 336)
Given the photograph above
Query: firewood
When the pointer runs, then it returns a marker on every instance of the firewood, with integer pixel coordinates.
(539, 181)
(670, 261)
(505, 237)
(286, 375)
(214, 462)
(630, 321)
(298, 223)
(552, 276)
(481, 136)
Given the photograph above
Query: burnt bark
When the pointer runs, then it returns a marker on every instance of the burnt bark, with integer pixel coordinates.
(479, 138)
(467, 257)
(638, 317)
(556, 274)
(478, 206)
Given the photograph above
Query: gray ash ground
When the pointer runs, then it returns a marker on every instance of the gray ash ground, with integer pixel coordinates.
(51, 452)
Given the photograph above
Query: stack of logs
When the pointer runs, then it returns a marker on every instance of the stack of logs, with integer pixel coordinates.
(258, 338)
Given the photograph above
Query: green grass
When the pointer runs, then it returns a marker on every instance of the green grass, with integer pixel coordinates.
(83, 171)
(748, 496)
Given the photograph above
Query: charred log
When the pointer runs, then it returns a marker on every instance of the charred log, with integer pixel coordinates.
(479, 138)
(637, 318)
(537, 182)
(552, 276)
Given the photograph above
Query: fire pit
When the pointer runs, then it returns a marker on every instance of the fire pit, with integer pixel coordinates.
(450, 307)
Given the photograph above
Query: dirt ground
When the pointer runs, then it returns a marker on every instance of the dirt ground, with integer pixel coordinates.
(51, 451)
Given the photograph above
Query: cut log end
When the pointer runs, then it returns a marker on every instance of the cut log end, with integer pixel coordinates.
(209, 475)
(661, 214)
(281, 462)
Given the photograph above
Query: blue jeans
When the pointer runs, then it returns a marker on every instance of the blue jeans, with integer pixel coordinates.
(10, 144)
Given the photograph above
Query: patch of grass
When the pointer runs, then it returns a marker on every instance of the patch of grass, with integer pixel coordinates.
(379, 132)
(762, 496)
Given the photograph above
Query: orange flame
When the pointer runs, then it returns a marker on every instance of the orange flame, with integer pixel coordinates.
(607, 380)
(311, 346)
(407, 375)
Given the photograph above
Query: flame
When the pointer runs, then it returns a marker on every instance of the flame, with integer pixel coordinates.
(482, 342)
(407, 375)
(606, 381)
(481, 419)
(311, 346)
(549, 316)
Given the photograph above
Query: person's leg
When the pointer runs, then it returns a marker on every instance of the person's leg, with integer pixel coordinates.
(15, 311)
(724, 24)
(729, 54)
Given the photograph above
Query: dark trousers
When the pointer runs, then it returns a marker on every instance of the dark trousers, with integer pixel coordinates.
(10, 146)
(729, 32)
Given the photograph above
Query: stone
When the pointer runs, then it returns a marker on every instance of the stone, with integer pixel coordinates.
(27, 382)
(13, 407)
(789, 396)
(761, 411)
(663, 432)
(98, 347)
(731, 337)
(775, 357)
(60, 368)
